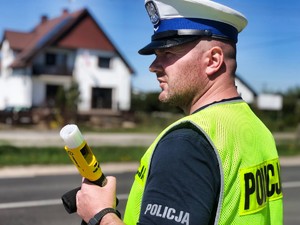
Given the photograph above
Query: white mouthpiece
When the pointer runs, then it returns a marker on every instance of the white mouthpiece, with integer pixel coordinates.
(71, 136)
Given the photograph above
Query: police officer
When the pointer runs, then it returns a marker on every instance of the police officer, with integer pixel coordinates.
(217, 165)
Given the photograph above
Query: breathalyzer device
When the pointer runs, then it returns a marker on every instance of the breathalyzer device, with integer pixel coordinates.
(85, 161)
(81, 154)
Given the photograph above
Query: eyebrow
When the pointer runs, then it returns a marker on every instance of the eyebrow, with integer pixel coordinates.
(177, 48)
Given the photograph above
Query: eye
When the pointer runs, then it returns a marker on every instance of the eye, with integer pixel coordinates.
(165, 53)
(168, 54)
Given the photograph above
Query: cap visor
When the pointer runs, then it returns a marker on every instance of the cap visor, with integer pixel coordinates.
(165, 43)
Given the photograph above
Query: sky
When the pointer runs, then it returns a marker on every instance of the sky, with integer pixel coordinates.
(268, 48)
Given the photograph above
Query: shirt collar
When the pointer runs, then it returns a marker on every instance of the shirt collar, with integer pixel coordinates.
(221, 101)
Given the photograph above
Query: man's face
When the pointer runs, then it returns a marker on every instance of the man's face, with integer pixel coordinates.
(179, 71)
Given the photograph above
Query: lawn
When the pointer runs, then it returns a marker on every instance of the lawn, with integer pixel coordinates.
(11, 155)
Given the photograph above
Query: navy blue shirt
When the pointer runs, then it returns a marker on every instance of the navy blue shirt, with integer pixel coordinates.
(184, 181)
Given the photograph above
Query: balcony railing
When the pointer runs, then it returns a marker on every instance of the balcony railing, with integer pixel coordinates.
(52, 70)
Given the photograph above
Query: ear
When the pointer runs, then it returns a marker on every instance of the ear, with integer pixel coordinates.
(215, 59)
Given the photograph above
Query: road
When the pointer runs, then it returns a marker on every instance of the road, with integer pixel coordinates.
(35, 200)
(291, 189)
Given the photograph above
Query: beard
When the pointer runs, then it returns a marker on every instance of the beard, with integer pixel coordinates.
(182, 86)
(179, 97)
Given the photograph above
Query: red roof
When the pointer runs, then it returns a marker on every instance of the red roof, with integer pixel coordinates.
(18, 40)
(69, 30)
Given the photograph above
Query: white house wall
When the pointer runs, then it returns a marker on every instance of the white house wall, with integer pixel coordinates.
(16, 91)
(21, 89)
(7, 57)
(38, 92)
(124, 84)
(15, 88)
(89, 75)
(244, 91)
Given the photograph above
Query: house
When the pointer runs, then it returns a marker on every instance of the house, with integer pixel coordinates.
(245, 90)
(262, 101)
(56, 51)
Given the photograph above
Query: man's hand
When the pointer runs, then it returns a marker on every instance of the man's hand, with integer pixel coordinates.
(92, 198)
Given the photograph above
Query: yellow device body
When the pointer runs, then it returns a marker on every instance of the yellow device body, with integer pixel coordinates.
(85, 161)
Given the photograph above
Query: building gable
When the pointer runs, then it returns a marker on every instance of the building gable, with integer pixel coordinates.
(85, 34)
(245, 90)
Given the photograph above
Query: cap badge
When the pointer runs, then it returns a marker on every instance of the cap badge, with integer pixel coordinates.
(152, 12)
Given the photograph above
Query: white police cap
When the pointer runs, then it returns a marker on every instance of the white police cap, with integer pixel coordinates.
(180, 21)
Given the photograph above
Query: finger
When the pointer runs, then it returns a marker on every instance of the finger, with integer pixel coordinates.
(111, 182)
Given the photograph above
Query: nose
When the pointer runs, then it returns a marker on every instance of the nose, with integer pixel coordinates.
(155, 66)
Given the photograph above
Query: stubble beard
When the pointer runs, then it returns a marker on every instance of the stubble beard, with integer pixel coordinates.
(180, 97)
(181, 92)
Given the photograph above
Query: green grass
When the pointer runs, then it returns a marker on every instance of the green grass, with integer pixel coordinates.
(288, 148)
(10, 155)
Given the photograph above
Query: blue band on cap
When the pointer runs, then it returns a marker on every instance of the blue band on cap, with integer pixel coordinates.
(216, 28)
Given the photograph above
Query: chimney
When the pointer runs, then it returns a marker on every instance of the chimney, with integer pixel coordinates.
(65, 12)
(44, 18)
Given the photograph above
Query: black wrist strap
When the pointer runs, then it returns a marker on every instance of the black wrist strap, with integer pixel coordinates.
(98, 217)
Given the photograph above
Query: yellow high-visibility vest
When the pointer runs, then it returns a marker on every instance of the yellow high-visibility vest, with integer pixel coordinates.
(250, 192)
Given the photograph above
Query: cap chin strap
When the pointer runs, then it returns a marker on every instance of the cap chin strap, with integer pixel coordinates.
(178, 33)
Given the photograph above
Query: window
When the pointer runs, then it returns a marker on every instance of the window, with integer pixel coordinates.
(104, 62)
(50, 59)
(101, 98)
(51, 94)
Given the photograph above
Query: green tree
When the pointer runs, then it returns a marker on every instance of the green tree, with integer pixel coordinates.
(291, 107)
(148, 103)
(67, 101)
